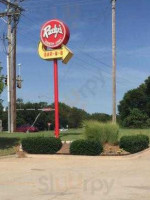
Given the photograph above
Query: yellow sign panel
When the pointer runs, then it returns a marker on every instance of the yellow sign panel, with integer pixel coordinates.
(63, 53)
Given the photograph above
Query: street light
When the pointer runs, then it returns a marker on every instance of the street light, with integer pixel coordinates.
(19, 66)
(19, 81)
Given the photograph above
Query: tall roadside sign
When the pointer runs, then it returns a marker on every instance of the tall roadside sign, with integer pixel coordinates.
(54, 36)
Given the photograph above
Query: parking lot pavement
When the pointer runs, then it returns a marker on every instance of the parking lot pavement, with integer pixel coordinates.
(75, 177)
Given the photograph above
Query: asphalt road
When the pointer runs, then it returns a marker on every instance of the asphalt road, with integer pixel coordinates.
(75, 178)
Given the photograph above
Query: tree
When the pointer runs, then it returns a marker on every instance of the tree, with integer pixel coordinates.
(136, 119)
(76, 118)
(28, 116)
(73, 117)
(102, 117)
(136, 104)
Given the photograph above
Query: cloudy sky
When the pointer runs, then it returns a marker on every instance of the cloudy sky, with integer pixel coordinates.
(85, 82)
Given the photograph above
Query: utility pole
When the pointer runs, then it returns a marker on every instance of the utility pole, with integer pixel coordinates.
(13, 73)
(9, 67)
(114, 60)
(13, 13)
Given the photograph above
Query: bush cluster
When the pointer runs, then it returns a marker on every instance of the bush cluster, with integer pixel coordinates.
(6, 143)
(41, 145)
(86, 147)
(134, 143)
(102, 132)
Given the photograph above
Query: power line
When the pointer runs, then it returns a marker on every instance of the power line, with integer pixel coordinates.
(69, 4)
(87, 54)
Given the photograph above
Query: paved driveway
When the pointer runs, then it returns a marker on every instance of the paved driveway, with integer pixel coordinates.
(75, 178)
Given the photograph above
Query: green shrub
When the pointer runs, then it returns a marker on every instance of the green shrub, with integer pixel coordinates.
(41, 145)
(134, 143)
(6, 143)
(112, 131)
(148, 122)
(86, 147)
(103, 132)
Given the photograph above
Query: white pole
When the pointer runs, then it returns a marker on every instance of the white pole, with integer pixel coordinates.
(114, 59)
(8, 69)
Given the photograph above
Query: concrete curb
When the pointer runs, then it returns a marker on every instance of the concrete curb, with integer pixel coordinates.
(57, 156)
(139, 153)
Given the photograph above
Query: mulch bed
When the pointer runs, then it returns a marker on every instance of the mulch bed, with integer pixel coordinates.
(109, 150)
(113, 150)
(65, 149)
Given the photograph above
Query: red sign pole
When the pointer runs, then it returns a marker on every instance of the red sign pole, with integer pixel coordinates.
(55, 35)
(56, 98)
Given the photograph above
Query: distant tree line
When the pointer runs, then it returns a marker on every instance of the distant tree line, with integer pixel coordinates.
(69, 116)
(134, 111)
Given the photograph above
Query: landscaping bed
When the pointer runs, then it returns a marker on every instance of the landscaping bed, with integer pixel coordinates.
(96, 139)
(108, 150)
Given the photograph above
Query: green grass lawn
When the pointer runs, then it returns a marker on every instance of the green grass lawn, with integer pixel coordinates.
(7, 146)
(127, 132)
(72, 134)
(7, 151)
